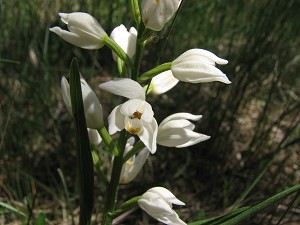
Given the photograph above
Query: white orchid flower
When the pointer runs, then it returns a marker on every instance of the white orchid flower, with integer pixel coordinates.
(135, 115)
(198, 66)
(156, 13)
(94, 137)
(177, 131)
(126, 40)
(163, 82)
(92, 107)
(157, 202)
(84, 30)
(133, 166)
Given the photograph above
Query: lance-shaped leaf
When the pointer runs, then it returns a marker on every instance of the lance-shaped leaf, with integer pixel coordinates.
(84, 156)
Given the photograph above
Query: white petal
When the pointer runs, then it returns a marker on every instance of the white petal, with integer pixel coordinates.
(156, 14)
(75, 39)
(116, 120)
(134, 169)
(94, 137)
(65, 90)
(163, 82)
(202, 137)
(149, 135)
(124, 87)
(175, 137)
(176, 116)
(167, 195)
(126, 40)
(92, 107)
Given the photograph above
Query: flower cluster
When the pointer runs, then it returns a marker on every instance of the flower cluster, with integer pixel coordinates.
(135, 115)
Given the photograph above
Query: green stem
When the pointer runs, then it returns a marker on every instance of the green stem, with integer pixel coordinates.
(134, 5)
(126, 206)
(155, 71)
(136, 148)
(108, 141)
(112, 189)
(137, 60)
(117, 50)
(98, 166)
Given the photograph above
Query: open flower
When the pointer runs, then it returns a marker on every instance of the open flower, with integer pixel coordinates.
(135, 115)
(84, 30)
(156, 13)
(198, 66)
(133, 166)
(126, 40)
(92, 107)
(157, 202)
(177, 131)
(163, 82)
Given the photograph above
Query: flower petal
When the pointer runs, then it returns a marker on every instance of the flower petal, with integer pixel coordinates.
(176, 116)
(163, 82)
(124, 87)
(166, 194)
(149, 135)
(116, 120)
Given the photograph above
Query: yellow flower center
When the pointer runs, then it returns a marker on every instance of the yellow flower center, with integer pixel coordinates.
(133, 125)
(157, 1)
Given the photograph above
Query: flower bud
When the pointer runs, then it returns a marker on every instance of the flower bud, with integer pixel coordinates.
(156, 13)
(198, 66)
(84, 30)
(177, 131)
(94, 137)
(133, 166)
(157, 202)
(92, 107)
(126, 40)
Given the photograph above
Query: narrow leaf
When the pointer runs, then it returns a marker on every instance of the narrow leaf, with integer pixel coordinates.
(260, 206)
(84, 156)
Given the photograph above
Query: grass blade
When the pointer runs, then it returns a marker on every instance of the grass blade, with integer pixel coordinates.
(264, 204)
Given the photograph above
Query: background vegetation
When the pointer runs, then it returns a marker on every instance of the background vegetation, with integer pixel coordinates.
(254, 122)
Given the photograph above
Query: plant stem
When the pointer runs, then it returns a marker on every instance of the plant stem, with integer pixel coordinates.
(108, 141)
(112, 189)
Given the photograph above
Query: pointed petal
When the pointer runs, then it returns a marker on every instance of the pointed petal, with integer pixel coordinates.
(75, 39)
(116, 120)
(149, 135)
(176, 116)
(124, 87)
(167, 195)
(65, 90)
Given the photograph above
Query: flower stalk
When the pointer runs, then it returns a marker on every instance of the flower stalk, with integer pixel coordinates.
(155, 71)
(107, 140)
(112, 189)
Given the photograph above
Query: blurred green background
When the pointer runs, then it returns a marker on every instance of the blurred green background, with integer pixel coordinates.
(254, 122)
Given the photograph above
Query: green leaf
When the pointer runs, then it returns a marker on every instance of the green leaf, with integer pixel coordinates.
(13, 209)
(84, 156)
(260, 206)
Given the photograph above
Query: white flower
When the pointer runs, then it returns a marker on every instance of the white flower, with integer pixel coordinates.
(156, 13)
(157, 202)
(92, 107)
(135, 115)
(132, 166)
(94, 137)
(198, 66)
(84, 30)
(177, 131)
(126, 40)
(163, 82)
